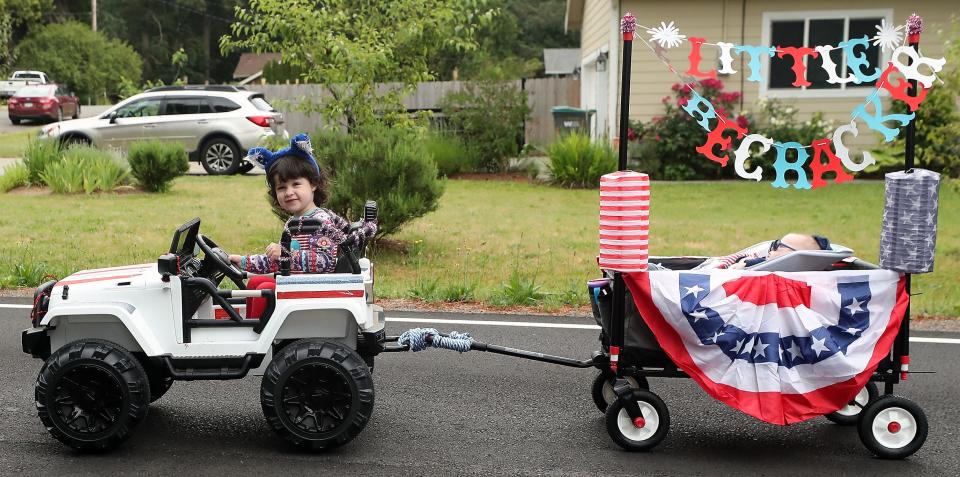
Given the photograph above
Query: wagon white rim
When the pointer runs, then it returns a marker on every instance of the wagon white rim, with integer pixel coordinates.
(609, 395)
(630, 430)
(852, 409)
(894, 427)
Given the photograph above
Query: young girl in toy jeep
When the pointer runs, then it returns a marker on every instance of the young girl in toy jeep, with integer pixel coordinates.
(298, 186)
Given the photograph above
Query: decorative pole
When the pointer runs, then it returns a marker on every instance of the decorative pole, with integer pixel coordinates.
(628, 24)
(902, 345)
(914, 27)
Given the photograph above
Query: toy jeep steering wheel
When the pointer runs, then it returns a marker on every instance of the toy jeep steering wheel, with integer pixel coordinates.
(220, 259)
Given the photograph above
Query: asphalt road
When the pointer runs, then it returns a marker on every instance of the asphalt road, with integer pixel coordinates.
(440, 413)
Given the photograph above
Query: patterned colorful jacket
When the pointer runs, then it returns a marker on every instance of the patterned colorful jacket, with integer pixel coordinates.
(312, 253)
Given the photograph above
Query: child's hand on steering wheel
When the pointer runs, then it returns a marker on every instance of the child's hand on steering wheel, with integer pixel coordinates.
(235, 259)
(273, 251)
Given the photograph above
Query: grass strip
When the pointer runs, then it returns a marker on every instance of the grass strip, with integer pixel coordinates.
(484, 233)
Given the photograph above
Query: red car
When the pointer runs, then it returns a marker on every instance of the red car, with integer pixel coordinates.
(48, 102)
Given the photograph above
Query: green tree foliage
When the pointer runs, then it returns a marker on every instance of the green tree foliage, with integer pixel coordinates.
(276, 72)
(512, 45)
(157, 29)
(377, 162)
(489, 116)
(15, 18)
(88, 62)
(350, 45)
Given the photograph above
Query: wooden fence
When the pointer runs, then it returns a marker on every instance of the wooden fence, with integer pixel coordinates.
(543, 94)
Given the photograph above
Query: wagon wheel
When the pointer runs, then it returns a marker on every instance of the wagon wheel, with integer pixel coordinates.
(893, 427)
(850, 414)
(91, 394)
(317, 394)
(644, 432)
(602, 389)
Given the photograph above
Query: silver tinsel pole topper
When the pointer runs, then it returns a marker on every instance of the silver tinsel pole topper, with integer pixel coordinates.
(908, 235)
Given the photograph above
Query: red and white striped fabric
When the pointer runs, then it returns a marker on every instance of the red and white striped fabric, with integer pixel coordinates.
(624, 221)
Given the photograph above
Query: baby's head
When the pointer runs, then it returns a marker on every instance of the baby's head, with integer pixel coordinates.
(793, 242)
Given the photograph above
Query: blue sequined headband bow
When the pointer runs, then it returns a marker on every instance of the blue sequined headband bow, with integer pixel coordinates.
(300, 146)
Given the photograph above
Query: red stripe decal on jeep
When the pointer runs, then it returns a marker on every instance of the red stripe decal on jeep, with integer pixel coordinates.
(320, 294)
(97, 279)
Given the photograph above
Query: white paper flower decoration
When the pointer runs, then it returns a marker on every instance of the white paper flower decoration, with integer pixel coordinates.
(888, 37)
(668, 36)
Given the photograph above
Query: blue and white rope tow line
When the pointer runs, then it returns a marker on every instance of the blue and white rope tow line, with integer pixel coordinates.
(417, 339)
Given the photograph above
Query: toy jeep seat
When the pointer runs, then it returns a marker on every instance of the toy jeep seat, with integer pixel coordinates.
(348, 252)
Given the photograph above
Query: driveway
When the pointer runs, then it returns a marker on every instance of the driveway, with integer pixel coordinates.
(7, 127)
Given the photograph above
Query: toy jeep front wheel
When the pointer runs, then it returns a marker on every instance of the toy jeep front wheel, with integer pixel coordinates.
(317, 394)
(91, 394)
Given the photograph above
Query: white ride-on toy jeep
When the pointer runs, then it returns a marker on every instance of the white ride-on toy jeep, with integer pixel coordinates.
(115, 340)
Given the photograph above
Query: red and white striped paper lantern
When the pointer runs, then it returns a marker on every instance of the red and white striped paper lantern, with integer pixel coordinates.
(624, 221)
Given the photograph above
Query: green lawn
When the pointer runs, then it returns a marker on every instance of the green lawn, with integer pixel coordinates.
(482, 231)
(13, 144)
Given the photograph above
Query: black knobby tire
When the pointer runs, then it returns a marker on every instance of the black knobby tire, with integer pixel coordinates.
(220, 156)
(15, 121)
(849, 415)
(626, 434)
(158, 376)
(602, 389)
(317, 394)
(76, 112)
(880, 437)
(91, 394)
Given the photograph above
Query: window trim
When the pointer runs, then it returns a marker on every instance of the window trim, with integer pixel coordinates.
(806, 16)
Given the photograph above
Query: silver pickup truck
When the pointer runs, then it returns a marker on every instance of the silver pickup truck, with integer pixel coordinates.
(20, 79)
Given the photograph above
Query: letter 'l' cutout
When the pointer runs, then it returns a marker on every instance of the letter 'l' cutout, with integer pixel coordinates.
(831, 68)
(694, 58)
(782, 166)
(817, 168)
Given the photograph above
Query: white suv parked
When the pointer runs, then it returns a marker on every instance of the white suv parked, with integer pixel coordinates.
(215, 124)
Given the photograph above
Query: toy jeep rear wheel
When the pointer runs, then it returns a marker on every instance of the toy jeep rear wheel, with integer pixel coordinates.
(317, 394)
(91, 394)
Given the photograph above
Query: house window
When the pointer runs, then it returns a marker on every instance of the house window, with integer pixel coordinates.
(813, 29)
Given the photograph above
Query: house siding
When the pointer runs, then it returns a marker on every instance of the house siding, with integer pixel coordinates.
(741, 22)
(596, 26)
